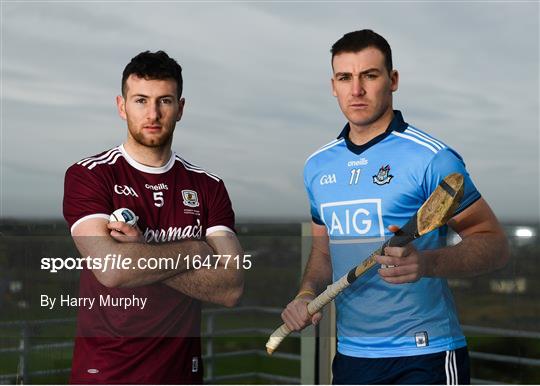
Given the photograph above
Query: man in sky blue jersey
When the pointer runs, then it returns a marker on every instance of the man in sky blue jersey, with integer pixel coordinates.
(397, 324)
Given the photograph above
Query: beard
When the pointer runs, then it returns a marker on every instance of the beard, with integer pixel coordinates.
(155, 141)
(160, 141)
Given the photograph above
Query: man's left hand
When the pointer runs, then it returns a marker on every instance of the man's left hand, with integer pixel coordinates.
(406, 264)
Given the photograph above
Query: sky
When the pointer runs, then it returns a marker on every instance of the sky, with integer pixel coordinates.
(257, 88)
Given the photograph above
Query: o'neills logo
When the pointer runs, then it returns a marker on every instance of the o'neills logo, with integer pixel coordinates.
(157, 187)
(173, 233)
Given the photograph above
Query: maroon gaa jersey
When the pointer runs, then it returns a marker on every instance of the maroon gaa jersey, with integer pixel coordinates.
(158, 342)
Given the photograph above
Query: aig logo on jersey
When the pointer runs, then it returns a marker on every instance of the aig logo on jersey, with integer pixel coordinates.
(328, 179)
(190, 198)
(358, 220)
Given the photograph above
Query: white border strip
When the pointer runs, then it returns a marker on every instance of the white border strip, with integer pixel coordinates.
(97, 215)
(217, 228)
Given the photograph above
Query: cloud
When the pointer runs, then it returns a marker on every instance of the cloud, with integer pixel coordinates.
(257, 90)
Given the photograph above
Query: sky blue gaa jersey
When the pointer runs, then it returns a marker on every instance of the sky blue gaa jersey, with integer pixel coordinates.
(356, 192)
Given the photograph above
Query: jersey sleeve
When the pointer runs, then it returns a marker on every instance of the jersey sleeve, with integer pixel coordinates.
(85, 196)
(444, 163)
(220, 211)
(313, 206)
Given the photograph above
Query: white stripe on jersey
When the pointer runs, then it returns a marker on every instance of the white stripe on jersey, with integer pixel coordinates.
(110, 157)
(89, 160)
(426, 136)
(437, 146)
(197, 169)
(194, 166)
(326, 147)
(115, 158)
(414, 139)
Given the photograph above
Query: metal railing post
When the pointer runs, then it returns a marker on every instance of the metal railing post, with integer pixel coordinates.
(22, 371)
(308, 341)
(210, 346)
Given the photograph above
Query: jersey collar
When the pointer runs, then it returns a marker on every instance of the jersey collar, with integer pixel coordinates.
(397, 124)
(148, 169)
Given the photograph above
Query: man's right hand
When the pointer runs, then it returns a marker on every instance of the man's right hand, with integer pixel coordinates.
(296, 315)
(125, 233)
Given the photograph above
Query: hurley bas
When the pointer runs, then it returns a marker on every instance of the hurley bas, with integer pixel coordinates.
(89, 302)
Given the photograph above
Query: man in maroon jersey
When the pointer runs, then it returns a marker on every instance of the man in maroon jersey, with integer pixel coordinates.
(144, 324)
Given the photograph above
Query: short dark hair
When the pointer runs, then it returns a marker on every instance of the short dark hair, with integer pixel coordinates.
(358, 40)
(154, 65)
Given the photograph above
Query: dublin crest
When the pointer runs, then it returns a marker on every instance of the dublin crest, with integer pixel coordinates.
(383, 176)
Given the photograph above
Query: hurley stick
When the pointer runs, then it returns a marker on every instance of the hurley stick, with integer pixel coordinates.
(434, 213)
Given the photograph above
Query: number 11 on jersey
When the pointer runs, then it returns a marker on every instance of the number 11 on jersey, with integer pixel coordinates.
(355, 175)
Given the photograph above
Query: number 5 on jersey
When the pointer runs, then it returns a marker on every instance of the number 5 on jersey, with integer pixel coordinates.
(158, 199)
